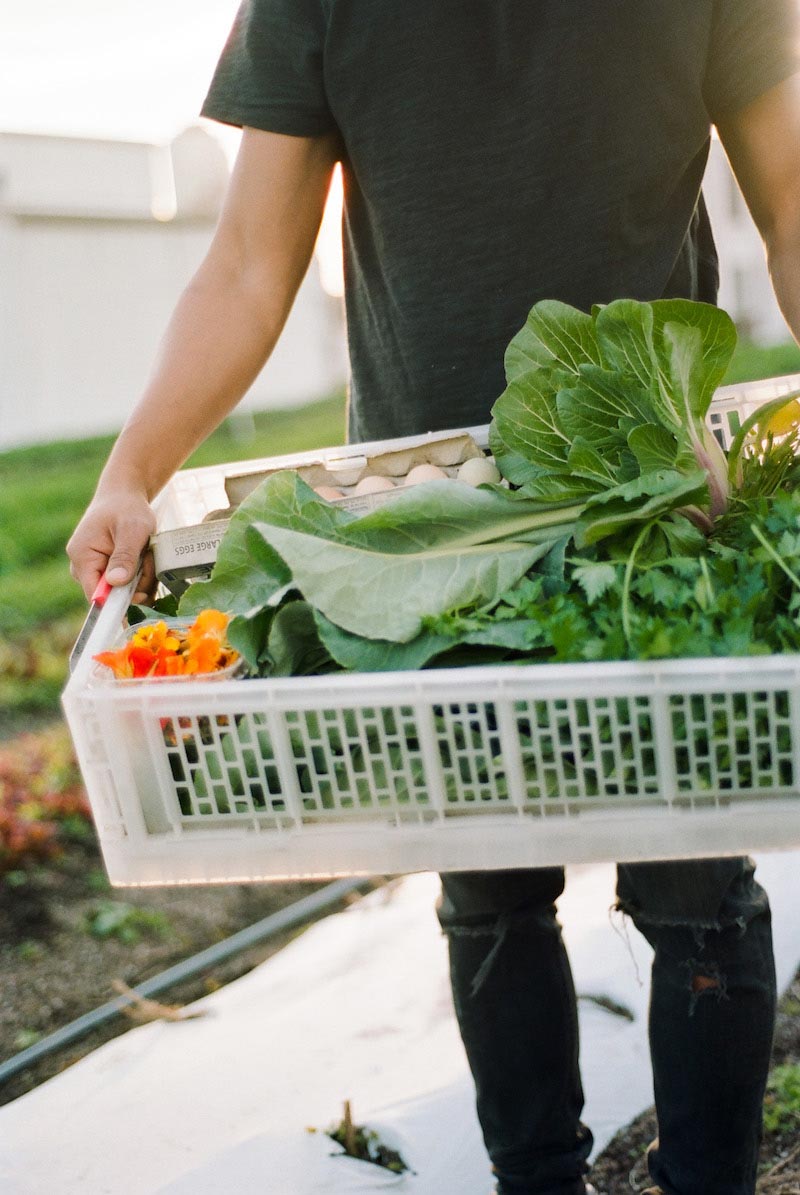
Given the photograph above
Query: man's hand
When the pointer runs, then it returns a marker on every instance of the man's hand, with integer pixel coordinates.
(763, 145)
(110, 539)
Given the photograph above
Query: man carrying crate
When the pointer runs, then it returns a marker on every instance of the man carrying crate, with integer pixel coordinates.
(496, 153)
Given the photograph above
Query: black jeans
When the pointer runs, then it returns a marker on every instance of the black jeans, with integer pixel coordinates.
(712, 1014)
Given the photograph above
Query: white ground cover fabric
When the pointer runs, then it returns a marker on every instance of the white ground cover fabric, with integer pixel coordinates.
(358, 1007)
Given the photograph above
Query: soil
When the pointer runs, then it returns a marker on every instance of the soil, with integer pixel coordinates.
(621, 1168)
(54, 968)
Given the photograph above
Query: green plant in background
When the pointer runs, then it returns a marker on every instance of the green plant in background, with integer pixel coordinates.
(97, 880)
(26, 1038)
(782, 1100)
(42, 804)
(127, 923)
(363, 1143)
(29, 951)
(753, 361)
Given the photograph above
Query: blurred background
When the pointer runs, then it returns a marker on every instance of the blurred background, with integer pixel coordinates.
(110, 187)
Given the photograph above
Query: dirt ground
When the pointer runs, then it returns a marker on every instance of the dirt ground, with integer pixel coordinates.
(621, 1168)
(66, 936)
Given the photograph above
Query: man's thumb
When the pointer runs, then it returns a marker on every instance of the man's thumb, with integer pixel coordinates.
(121, 566)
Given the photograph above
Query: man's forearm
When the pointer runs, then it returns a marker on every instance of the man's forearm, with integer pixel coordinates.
(219, 337)
(228, 320)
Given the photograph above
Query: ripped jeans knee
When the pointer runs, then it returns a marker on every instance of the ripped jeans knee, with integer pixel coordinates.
(703, 894)
(708, 921)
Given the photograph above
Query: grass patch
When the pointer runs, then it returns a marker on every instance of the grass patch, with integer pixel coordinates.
(782, 1101)
(751, 362)
(117, 919)
(36, 594)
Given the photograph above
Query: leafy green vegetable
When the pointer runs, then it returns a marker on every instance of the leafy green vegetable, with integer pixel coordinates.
(357, 654)
(742, 597)
(595, 403)
(295, 647)
(358, 588)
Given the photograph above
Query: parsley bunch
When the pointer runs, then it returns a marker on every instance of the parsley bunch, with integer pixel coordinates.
(738, 596)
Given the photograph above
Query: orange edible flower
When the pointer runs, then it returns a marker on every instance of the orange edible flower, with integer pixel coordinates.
(160, 650)
(209, 622)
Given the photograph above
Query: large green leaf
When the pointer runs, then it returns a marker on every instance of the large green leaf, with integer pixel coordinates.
(590, 465)
(357, 654)
(295, 647)
(653, 446)
(625, 335)
(450, 515)
(528, 420)
(515, 467)
(561, 485)
(648, 373)
(248, 635)
(385, 595)
(599, 403)
(553, 333)
(712, 335)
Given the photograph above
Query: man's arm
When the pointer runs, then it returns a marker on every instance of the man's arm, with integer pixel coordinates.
(763, 145)
(221, 333)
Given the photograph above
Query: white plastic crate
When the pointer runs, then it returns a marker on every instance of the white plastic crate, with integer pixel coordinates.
(492, 767)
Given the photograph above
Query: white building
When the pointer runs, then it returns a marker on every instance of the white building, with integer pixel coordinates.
(97, 241)
(745, 289)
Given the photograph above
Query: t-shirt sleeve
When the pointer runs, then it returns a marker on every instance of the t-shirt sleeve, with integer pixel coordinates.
(754, 46)
(270, 74)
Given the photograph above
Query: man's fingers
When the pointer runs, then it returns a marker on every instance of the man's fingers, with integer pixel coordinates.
(123, 562)
(121, 567)
(87, 572)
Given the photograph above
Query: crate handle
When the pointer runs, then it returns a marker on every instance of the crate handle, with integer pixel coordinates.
(110, 618)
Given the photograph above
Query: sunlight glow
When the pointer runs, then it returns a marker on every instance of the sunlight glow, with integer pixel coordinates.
(328, 249)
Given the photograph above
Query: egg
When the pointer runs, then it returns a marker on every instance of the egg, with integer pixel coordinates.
(328, 492)
(373, 484)
(422, 473)
(478, 471)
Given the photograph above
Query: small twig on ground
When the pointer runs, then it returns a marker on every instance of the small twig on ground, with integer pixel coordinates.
(767, 1178)
(139, 1008)
(349, 1131)
(606, 1002)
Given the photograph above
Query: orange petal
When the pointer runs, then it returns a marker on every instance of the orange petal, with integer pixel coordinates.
(208, 622)
(117, 661)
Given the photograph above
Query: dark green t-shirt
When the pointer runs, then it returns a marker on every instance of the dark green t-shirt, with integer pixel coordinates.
(497, 152)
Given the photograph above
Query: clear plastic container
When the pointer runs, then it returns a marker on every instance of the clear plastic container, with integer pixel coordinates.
(103, 674)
